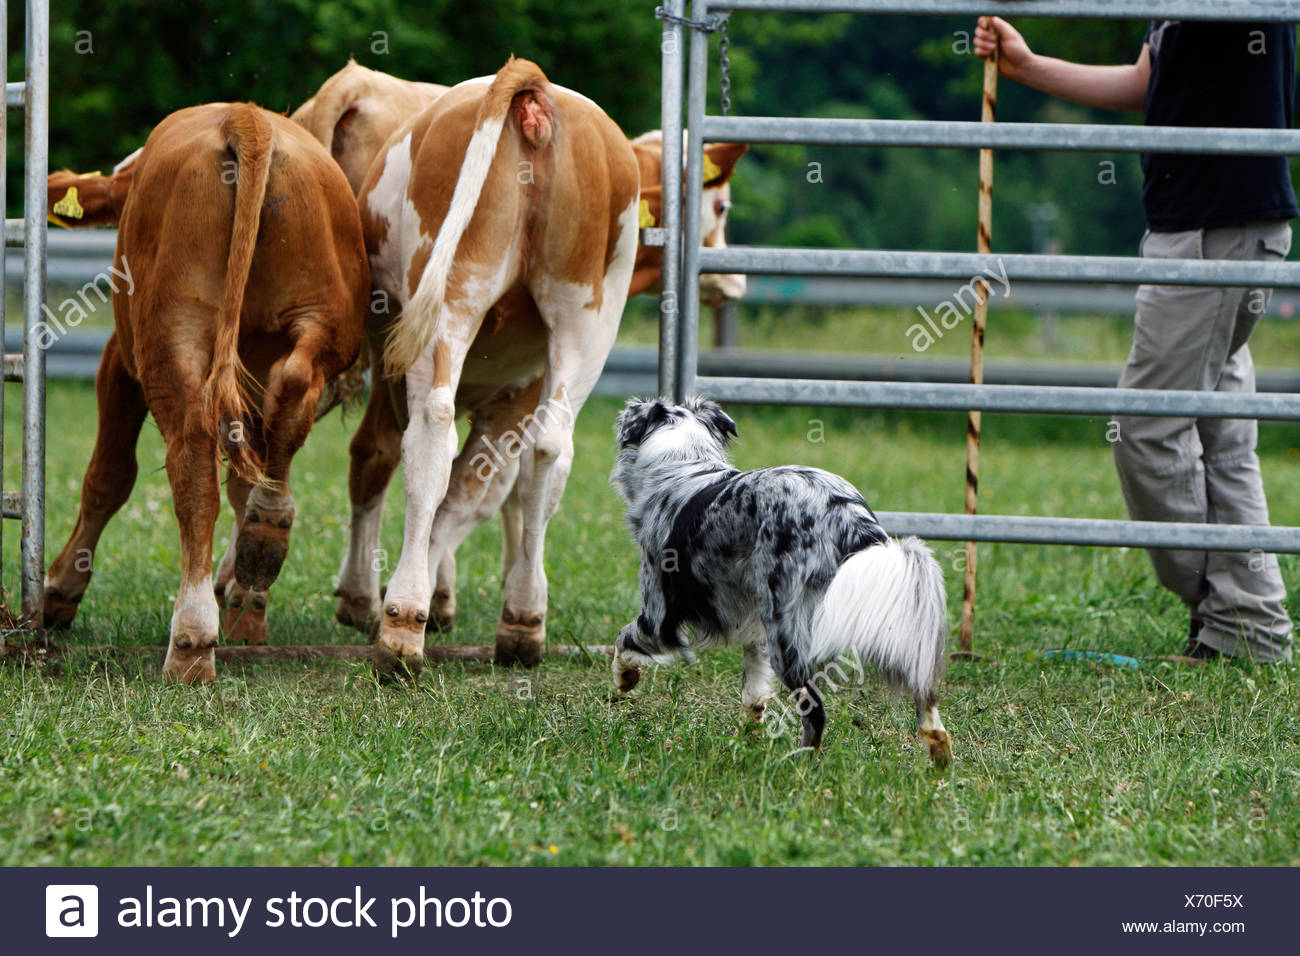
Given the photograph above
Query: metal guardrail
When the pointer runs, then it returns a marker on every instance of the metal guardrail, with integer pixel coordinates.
(75, 257)
(633, 370)
(679, 304)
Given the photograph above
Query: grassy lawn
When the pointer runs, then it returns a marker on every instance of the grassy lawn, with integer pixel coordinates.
(1055, 763)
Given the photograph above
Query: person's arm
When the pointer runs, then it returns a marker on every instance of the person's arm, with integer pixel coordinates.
(1108, 87)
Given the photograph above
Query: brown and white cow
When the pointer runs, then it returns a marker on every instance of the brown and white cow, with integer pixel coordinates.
(719, 161)
(513, 196)
(249, 287)
(501, 385)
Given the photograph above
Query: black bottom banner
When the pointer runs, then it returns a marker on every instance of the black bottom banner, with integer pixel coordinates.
(195, 911)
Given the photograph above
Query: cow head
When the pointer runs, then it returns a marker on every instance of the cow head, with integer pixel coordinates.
(81, 200)
(719, 163)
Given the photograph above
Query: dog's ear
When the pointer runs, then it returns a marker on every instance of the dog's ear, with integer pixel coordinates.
(715, 420)
(639, 419)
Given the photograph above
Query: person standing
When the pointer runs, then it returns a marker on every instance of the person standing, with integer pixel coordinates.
(1197, 207)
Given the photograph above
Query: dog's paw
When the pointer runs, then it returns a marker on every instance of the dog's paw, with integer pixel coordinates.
(627, 673)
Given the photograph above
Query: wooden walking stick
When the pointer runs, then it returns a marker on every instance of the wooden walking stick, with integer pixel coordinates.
(982, 244)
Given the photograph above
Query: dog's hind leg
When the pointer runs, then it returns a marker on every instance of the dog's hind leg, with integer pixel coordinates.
(756, 687)
(629, 657)
(809, 704)
(931, 729)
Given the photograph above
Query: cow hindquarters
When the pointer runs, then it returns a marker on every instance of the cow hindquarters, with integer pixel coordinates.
(579, 337)
(106, 487)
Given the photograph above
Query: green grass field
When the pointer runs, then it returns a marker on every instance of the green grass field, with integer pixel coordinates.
(1055, 763)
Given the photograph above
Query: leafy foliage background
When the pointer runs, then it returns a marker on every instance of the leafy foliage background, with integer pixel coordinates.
(151, 57)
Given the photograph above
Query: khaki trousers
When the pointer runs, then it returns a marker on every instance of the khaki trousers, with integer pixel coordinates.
(1205, 470)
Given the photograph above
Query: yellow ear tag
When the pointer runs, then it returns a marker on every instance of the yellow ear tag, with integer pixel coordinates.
(68, 207)
(712, 170)
(644, 216)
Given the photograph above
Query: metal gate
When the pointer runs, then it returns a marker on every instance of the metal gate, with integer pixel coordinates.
(685, 258)
(32, 97)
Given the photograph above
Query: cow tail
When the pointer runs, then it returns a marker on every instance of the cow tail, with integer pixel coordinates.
(519, 88)
(226, 414)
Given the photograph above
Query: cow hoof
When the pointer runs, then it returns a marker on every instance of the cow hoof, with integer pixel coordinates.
(520, 639)
(356, 611)
(59, 610)
(243, 616)
(398, 648)
(442, 613)
(191, 660)
(262, 545)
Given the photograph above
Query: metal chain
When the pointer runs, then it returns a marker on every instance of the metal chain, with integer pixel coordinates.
(725, 67)
(710, 25)
(716, 23)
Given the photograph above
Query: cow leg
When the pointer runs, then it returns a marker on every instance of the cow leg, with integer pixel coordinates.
(243, 611)
(192, 469)
(288, 410)
(481, 477)
(237, 490)
(512, 530)
(501, 497)
(375, 451)
(579, 340)
(426, 463)
(108, 482)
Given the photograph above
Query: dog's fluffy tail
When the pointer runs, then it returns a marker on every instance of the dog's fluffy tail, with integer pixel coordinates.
(887, 606)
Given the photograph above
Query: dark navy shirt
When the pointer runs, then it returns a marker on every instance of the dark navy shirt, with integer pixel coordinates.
(1218, 74)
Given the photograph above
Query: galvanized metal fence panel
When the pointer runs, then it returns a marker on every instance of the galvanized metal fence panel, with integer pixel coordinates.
(951, 134)
(32, 96)
(682, 378)
(1015, 266)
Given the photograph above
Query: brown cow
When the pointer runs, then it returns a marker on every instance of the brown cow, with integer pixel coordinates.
(351, 115)
(249, 275)
(482, 480)
(81, 200)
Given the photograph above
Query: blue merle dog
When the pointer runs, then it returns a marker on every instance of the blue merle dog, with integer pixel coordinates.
(788, 562)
